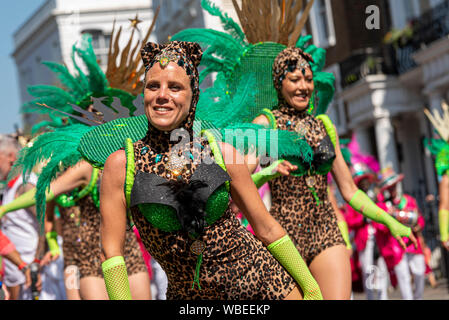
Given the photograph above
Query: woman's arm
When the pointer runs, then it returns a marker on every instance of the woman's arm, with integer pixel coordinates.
(244, 193)
(341, 221)
(51, 235)
(360, 202)
(113, 226)
(251, 159)
(246, 197)
(72, 178)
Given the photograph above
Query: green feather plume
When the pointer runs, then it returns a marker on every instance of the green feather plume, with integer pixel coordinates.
(96, 78)
(229, 25)
(221, 49)
(241, 103)
(67, 80)
(59, 148)
(440, 149)
(250, 137)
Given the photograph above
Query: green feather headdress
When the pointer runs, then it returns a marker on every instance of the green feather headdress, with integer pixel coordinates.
(79, 88)
(66, 107)
(439, 147)
(58, 149)
(234, 54)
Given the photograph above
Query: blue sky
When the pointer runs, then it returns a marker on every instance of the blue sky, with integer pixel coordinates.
(13, 15)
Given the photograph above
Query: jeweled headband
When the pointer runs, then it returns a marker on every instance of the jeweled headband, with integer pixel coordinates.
(186, 54)
(288, 60)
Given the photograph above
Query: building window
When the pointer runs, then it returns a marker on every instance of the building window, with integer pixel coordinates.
(322, 24)
(402, 11)
(100, 43)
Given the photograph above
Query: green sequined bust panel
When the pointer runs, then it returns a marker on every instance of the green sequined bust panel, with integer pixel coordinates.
(310, 222)
(235, 264)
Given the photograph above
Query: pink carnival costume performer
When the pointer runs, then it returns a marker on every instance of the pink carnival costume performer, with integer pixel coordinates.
(364, 169)
(364, 239)
(401, 262)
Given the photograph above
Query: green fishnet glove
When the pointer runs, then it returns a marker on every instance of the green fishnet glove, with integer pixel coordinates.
(266, 174)
(443, 219)
(363, 204)
(288, 256)
(343, 226)
(52, 241)
(116, 278)
(25, 200)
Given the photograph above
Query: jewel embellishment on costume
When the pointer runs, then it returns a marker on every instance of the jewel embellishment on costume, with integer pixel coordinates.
(158, 158)
(301, 129)
(310, 181)
(197, 247)
(176, 164)
(144, 151)
(165, 57)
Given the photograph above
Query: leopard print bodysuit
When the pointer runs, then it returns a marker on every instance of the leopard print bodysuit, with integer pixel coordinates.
(81, 241)
(312, 227)
(235, 265)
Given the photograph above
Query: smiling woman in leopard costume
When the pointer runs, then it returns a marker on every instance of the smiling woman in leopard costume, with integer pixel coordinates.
(178, 188)
(299, 190)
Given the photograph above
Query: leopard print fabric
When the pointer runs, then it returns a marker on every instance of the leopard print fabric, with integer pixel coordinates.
(70, 246)
(235, 264)
(313, 228)
(81, 240)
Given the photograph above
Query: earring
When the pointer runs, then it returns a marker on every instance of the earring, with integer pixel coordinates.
(311, 108)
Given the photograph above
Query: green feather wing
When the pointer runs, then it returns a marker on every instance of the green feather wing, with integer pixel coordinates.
(222, 50)
(59, 148)
(278, 144)
(96, 78)
(218, 107)
(324, 86)
(70, 82)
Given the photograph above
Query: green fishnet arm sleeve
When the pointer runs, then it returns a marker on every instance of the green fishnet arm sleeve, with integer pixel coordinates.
(266, 174)
(288, 256)
(343, 226)
(116, 278)
(52, 241)
(25, 200)
(363, 204)
(443, 220)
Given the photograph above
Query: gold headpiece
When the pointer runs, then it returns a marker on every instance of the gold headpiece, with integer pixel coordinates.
(441, 124)
(273, 20)
(127, 74)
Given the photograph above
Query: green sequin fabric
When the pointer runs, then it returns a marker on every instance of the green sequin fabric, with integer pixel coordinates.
(440, 149)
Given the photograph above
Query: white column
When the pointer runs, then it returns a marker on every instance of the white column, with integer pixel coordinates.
(435, 99)
(364, 141)
(386, 143)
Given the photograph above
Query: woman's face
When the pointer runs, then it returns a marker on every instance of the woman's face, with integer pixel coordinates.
(167, 96)
(297, 88)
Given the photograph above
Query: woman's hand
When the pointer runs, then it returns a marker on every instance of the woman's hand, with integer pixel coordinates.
(48, 258)
(5, 290)
(285, 168)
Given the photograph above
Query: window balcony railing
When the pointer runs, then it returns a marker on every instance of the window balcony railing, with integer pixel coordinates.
(432, 25)
(366, 62)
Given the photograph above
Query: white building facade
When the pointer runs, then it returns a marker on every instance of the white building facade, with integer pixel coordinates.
(385, 110)
(50, 33)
